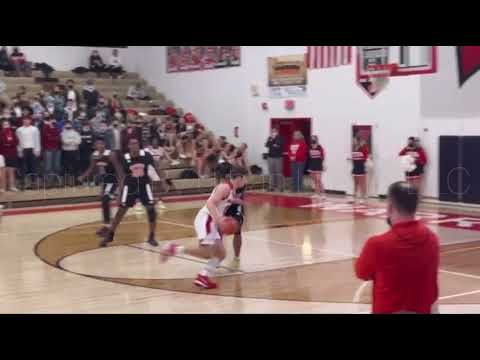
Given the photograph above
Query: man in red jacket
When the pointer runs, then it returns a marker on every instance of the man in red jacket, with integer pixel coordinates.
(51, 143)
(415, 150)
(297, 153)
(403, 262)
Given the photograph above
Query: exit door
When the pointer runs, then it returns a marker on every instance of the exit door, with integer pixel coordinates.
(286, 128)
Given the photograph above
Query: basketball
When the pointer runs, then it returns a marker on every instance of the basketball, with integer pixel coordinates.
(228, 225)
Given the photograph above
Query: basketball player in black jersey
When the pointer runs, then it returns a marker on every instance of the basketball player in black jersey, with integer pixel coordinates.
(109, 172)
(236, 210)
(136, 185)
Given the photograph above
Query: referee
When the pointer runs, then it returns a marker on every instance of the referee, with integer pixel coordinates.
(403, 262)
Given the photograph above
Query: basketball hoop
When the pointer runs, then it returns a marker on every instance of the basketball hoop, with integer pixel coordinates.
(379, 76)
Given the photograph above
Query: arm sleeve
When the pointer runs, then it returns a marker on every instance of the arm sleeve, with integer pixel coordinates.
(422, 157)
(365, 265)
(403, 152)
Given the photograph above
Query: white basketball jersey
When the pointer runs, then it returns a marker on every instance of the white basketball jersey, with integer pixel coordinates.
(223, 204)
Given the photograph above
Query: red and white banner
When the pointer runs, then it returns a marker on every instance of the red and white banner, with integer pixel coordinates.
(319, 57)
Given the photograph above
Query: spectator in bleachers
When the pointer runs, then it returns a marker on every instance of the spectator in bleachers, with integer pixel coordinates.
(86, 146)
(103, 109)
(72, 93)
(228, 154)
(4, 99)
(48, 102)
(5, 63)
(37, 110)
(8, 148)
(91, 96)
(130, 132)
(20, 63)
(59, 103)
(115, 67)
(70, 111)
(138, 92)
(240, 158)
(96, 64)
(71, 141)
(51, 144)
(81, 117)
(146, 129)
(115, 104)
(29, 148)
(106, 133)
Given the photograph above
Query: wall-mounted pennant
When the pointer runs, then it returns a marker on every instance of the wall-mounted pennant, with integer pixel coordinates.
(468, 58)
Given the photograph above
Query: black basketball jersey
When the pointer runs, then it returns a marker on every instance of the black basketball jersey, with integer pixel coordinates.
(104, 165)
(236, 210)
(136, 168)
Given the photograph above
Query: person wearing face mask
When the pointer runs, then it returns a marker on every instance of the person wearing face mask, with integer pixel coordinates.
(415, 150)
(106, 133)
(403, 263)
(96, 63)
(91, 96)
(86, 146)
(28, 149)
(51, 143)
(275, 160)
(316, 156)
(8, 149)
(70, 111)
(72, 93)
(71, 141)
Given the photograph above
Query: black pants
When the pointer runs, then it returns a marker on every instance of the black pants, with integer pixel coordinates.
(71, 164)
(29, 162)
(84, 161)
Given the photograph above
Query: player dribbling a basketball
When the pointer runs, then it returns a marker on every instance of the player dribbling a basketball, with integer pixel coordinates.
(208, 225)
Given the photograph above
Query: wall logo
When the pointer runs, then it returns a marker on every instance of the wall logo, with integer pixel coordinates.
(468, 58)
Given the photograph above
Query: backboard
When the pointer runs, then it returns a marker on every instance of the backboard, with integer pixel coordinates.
(411, 60)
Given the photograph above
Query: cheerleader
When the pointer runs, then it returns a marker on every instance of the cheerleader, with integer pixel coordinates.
(419, 160)
(316, 156)
(359, 172)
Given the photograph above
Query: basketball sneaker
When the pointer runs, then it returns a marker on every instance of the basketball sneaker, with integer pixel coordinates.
(108, 238)
(152, 241)
(235, 264)
(167, 251)
(204, 282)
(103, 231)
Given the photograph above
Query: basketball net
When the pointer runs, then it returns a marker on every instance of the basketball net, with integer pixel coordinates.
(380, 75)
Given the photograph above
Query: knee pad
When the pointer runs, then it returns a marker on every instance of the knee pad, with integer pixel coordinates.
(151, 213)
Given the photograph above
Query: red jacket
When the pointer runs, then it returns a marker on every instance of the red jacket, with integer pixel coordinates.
(403, 264)
(298, 151)
(418, 153)
(51, 139)
(8, 143)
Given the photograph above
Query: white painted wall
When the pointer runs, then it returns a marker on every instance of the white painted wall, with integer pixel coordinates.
(447, 109)
(68, 57)
(221, 98)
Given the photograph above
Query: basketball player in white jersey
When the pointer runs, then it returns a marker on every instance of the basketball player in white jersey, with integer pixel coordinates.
(207, 227)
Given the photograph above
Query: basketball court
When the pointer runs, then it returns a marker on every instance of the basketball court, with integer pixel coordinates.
(297, 257)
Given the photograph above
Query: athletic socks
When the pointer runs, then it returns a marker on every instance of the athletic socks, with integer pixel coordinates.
(211, 267)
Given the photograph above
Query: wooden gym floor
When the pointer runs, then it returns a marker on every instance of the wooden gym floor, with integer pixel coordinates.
(297, 258)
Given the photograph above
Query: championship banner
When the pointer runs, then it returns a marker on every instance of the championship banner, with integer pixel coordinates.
(195, 58)
(287, 76)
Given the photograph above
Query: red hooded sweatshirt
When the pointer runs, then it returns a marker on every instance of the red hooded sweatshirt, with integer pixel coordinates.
(403, 264)
(298, 151)
(51, 139)
(8, 143)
